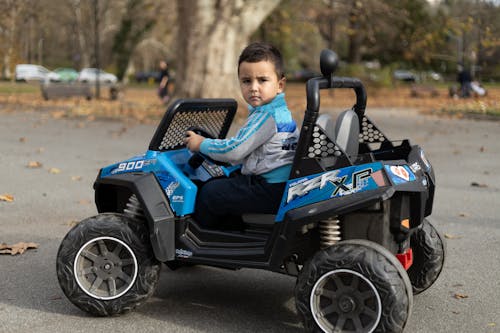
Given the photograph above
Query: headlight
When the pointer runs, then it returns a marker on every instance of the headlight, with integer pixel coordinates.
(425, 160)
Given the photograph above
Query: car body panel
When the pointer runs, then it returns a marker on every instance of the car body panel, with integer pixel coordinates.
(90, 75)
(30, 72)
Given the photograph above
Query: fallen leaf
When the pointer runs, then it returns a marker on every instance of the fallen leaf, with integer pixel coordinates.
(491, 324)
(482, 149)
(76, 178)
(58, 114)
(18, 248)
(72, 223)
(6, 197)
(474, 184)
(84, 202)
(54, 171)
(462, 215)
(460, 296)
(119, 132)
(34, 165)
(40, 150)
(455, 312)
(22, 139)
(449, 236)
(55, 298)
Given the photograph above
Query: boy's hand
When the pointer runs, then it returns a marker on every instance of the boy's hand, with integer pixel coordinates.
(193, 141)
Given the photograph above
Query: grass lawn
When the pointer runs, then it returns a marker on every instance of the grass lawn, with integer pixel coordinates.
(140, 102)
(8, 88)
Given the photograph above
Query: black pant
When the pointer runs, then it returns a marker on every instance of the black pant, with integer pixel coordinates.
(224, 198)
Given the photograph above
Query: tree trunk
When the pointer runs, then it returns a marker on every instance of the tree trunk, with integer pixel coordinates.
(82, 41)
(211, 35)
(9, 57)
(355, 33)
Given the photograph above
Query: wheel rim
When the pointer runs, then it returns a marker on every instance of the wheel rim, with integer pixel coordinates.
(105, 268)
(344, 300)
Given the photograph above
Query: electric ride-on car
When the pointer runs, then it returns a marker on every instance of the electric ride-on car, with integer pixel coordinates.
(352, 225)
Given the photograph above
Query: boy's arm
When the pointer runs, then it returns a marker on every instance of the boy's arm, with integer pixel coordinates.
(258, 129)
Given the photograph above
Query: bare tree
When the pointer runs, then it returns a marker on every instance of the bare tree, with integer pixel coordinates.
(210, 36)
(138, 19)
(11, 11)
(83, 42)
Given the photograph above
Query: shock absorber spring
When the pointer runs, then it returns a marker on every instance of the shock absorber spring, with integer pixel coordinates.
(133, 208)
(329, 232)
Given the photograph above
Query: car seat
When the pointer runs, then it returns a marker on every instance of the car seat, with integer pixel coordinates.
(344, 132)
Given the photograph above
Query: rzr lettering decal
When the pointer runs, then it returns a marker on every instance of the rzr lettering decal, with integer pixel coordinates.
(342, 187)
(360, 176)
(303, 188)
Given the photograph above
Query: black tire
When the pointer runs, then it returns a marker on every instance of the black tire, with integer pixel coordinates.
(428, 257)
(371, 289)
(105, 265)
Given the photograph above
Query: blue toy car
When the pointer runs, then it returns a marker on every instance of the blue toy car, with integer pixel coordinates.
(352, 225)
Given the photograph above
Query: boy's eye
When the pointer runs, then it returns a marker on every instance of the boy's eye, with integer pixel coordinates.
(245, 81)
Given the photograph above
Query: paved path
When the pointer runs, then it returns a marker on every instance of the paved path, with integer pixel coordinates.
(202, 299)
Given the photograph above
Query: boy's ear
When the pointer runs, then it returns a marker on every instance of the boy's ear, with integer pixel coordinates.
(281, 84)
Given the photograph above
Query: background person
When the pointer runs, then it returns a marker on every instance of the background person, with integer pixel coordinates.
(464, 78)
(164, 78)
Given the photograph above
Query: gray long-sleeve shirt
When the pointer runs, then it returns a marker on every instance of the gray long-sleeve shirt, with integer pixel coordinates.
(265, 145)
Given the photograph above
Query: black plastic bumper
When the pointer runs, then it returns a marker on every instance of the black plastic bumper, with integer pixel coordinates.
(145, 186)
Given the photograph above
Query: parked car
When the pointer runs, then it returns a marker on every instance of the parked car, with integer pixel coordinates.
(29, 72)
(404, 75)
(63, 74)
(435, 76)
(90, 75)
(147, 76)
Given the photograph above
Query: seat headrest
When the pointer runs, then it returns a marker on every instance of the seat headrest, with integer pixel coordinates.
(347, 132)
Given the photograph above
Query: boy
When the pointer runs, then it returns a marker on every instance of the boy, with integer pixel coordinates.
(265, 145)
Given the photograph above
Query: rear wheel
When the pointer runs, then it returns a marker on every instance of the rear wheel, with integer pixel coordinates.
(105, 265)
(428, 257)
(354, 286)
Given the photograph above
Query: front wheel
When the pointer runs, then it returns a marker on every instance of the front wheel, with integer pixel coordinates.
(428, 257)
(105, 265)
(354, 286)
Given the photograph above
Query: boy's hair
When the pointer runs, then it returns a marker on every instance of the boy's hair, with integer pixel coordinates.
(259, 51)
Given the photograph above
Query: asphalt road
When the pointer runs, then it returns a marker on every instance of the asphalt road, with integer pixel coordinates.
(200, 299)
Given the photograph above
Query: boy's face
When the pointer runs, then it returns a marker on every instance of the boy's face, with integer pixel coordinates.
(259, 82)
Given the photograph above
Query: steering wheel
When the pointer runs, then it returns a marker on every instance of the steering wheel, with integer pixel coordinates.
(200, 131)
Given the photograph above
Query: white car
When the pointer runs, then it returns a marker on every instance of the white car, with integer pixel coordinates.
(404, 75)
(29, 72)
(90, 75)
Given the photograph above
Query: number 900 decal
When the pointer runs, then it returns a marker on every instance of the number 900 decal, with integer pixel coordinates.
(127, 166)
